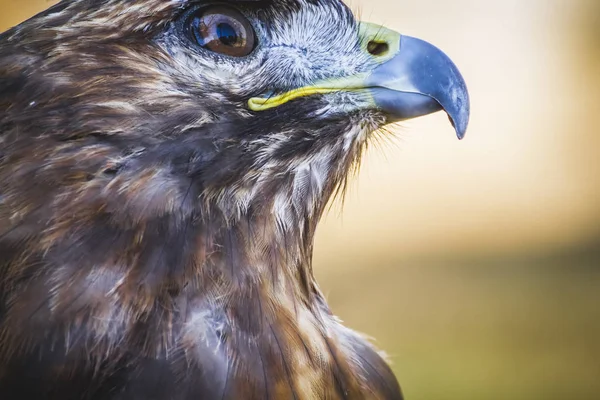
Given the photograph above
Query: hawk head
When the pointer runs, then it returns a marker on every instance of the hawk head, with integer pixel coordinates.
(154, 152)
(252, 103)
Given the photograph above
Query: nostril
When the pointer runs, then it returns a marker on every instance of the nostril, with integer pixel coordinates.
(377, 48)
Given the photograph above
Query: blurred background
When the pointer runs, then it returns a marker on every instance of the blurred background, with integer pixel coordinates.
(476, 264)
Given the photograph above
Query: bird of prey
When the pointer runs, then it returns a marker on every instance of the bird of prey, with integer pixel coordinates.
(163, 168)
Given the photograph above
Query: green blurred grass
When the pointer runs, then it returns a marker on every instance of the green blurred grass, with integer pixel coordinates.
(521, 327)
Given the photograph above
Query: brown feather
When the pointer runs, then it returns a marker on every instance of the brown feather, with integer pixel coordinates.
(130, 265)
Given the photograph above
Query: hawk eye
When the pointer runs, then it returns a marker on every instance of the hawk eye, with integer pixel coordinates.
(221, 29)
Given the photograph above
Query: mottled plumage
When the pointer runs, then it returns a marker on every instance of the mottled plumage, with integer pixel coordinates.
(156, 234)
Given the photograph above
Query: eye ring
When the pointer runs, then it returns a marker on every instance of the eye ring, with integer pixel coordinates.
(222, 30)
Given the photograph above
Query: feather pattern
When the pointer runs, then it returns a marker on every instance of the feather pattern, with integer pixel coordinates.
(155, 236)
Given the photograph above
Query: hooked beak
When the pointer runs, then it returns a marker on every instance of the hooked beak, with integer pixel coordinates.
(413, 78)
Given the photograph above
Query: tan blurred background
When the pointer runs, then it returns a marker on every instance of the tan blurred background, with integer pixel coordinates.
(476, 264)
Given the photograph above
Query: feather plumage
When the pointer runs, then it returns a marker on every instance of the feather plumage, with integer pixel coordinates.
(156, 236)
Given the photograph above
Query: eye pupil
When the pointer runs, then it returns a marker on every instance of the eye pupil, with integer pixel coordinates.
(227, 34)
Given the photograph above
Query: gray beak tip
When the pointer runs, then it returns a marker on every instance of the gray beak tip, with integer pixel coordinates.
(460, 120)
(460, 133)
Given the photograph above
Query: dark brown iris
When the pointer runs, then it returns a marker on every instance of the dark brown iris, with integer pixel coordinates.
(223, 30)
